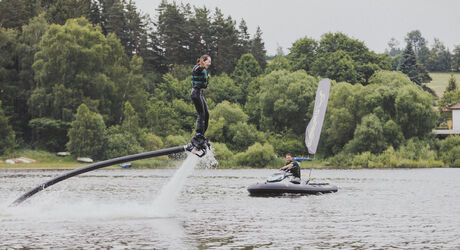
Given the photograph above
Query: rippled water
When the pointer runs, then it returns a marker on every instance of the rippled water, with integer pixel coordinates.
(400, 208)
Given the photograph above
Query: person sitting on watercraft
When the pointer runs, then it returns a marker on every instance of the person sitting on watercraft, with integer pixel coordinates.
(292, 167)
(200, 79)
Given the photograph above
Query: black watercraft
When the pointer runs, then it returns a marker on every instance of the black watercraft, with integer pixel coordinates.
(283, 183)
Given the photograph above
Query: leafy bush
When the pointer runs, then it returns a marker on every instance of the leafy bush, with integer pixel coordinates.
(174, 140)
(150, 142)
(221, 152)
(450, 151)
(120, 144)
(257, 155)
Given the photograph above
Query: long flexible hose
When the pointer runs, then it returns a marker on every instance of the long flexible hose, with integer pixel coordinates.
(98, 165)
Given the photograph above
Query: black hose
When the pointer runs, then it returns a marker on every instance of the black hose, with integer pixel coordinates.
(98, 165)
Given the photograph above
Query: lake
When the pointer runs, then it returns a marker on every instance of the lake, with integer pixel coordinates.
(374, 208)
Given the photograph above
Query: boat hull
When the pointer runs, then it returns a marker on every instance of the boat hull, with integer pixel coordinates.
(280, 188)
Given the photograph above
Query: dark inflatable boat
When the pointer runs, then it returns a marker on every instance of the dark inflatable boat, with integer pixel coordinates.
(283, 183)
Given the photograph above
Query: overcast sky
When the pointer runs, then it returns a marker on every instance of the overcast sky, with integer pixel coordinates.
(374, 22)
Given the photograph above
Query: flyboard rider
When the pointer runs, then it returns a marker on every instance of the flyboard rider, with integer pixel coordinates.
(200, 80)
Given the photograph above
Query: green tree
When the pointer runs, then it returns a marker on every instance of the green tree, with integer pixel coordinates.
(338, 66)
(409, 64)
(456, 59)
(223, 88)
(61, 10)
(278, 63)
(6, 133)
(353, 61)
(86, 135)
(302, 54)
(258, 49)
(283, 101)
(449, 99)
(452, 85)
(77, 64)
(368, 136)
(414, 112)
(439, 59)
(418, 43)
(245, 71)
(16, 13)
(130, 122)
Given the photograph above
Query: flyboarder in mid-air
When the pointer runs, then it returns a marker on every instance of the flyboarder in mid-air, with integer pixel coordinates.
(200, 79)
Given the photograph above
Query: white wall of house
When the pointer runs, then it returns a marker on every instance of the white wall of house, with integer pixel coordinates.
(456, 119)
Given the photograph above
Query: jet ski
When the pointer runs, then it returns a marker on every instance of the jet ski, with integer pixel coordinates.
(283, 182)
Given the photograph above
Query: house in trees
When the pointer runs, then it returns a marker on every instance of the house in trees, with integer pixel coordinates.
(453, 125)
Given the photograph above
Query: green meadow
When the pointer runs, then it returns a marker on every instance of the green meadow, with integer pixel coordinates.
(440, 81)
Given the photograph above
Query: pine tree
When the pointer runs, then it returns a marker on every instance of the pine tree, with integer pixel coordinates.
(258, 49)
(409, 64)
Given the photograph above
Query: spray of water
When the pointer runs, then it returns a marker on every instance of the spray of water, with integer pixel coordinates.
(165, 203)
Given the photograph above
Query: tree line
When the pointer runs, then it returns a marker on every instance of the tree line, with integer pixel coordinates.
(99, 79)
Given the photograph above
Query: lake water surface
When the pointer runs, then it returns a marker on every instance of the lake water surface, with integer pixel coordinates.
(390, 208)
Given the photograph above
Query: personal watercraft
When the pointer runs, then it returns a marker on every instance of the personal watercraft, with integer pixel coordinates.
(283, 182)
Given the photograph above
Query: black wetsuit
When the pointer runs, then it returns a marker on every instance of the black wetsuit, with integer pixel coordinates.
(199, 83)
(295, 169)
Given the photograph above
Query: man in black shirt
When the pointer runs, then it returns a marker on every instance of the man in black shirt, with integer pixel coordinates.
(292, 167)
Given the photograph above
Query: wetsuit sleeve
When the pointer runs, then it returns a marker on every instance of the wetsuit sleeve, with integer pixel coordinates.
(197, 69)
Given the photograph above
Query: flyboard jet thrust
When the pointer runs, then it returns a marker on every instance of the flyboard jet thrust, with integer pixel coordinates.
(198, 147)
(282, 182)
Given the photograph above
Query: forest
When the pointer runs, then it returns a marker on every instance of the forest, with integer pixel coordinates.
(100, 79)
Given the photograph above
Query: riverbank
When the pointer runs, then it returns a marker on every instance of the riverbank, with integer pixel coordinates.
(50, 161)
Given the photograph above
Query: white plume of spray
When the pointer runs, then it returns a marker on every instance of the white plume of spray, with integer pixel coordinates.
(165, 203)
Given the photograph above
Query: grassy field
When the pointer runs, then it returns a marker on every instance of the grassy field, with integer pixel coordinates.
(440, 81)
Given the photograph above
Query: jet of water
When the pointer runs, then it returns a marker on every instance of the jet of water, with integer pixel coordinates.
(165, 203)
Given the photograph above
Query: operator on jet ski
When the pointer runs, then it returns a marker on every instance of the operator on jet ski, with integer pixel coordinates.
(292, 167)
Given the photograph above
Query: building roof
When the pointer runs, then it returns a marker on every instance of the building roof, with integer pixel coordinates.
(456, 106)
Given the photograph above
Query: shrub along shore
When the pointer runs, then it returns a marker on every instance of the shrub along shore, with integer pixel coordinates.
(50, 161)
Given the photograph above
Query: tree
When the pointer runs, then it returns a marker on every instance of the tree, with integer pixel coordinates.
(16, 13)
(278, 63)
(456, 59)
(86, 135)
(353, 61)
(393, 44)
(77, 64)
(283, 101)
(439, 59)
(245, 71)
(452, 85)
(302, 54)
(368, 136)
(130, 124)
(223, 88)
(258, 49)
(414, 112)
(409, 64)
(61, 10)
(419, 44)
(6, 133)
(338, 66)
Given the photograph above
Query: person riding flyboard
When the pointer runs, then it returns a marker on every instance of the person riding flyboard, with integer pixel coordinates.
(200, 80)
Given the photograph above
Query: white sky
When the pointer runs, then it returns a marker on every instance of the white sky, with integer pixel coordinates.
(373, 21)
